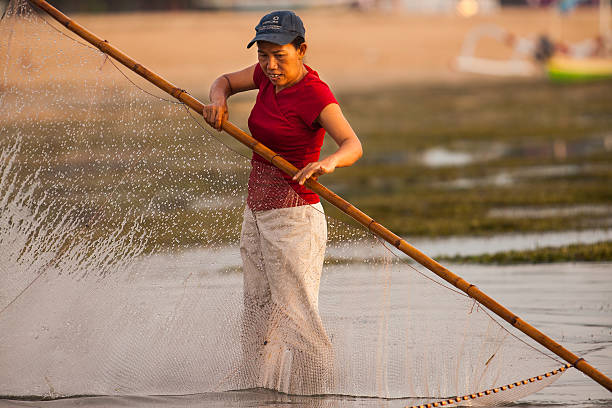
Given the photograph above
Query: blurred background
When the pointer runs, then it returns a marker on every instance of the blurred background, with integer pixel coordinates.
(478, 117)
(398, 5)
(487, 135)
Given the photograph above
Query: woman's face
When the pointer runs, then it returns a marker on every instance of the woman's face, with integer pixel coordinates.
(281, 63)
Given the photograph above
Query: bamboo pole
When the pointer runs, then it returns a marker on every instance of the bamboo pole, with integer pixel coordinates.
(334, 199)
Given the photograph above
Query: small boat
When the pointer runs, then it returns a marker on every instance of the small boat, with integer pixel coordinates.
(565, 69)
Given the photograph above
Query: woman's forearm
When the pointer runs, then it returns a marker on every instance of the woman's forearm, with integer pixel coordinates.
(349, 151)
(216, 112)
(349, 147)
(220, 90)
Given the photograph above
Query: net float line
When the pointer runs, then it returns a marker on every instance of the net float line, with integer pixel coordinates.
(492, 391)
(359, 216)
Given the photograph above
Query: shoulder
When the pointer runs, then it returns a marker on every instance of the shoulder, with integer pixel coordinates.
(316, 91)
(315, 95)
(314, 84)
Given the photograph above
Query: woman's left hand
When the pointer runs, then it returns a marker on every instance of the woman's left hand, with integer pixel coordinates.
(349, 147)
(315, 169)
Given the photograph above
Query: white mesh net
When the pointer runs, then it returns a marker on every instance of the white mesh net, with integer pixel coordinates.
(121, 270)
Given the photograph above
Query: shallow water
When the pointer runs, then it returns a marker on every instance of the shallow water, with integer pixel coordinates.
(470, 245)
(466, 246)
(570, 302)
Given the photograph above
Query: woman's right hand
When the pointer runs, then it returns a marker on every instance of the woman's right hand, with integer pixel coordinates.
(222, 88)
(215, 114)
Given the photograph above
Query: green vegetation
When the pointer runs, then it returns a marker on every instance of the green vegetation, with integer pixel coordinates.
(598, 252)
(521, 145)
(534, 144)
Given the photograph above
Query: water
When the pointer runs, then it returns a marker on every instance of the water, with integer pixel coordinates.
(438, 157)
(572, 303)
(469, 245)
(466, 246)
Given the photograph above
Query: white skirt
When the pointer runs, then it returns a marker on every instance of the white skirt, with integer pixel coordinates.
(284, 344)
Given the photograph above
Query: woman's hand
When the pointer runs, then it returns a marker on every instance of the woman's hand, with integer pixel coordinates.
(315, 169)
(349, 146)
(215, 113)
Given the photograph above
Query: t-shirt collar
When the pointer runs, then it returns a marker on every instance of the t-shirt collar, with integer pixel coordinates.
(302, 81)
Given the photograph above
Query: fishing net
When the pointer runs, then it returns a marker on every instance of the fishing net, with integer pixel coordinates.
(121, 270)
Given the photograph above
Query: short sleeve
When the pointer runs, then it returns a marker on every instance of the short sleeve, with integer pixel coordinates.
(317, 97)
(258, 75)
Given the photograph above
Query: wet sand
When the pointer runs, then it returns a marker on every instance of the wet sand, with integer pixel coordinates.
(351, 50)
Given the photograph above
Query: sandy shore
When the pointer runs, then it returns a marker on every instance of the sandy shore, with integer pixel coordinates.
(348, 48)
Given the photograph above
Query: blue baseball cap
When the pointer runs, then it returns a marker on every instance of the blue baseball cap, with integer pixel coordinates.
(279, 27)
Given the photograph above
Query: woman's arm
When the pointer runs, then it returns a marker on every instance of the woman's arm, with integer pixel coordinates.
(349, 146)
(221, 89)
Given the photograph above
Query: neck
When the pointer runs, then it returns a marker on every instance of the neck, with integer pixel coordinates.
(301, 75)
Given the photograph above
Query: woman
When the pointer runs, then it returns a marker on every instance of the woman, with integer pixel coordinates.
(284, 232)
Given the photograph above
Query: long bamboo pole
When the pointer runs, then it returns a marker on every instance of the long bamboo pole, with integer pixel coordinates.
(334, 199)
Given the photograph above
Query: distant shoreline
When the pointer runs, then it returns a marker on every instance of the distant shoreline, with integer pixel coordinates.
(350, 50)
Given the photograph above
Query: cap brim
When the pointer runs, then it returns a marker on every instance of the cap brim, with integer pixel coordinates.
(276, 38)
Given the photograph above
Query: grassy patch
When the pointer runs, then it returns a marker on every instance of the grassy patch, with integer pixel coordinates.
(533, 144)
(553, 146)
(598, 252)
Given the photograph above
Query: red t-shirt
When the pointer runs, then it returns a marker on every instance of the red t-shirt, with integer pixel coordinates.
(286, 123)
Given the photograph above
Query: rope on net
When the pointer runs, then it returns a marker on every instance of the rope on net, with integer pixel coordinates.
(493, 391)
